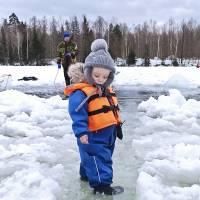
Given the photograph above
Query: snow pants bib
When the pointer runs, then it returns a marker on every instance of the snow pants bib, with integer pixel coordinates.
(96, 157)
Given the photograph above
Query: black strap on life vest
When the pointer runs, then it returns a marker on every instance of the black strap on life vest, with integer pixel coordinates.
(104, 109)
(104, 95)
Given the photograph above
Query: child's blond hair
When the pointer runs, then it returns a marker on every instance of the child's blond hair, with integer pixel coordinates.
(75, 72)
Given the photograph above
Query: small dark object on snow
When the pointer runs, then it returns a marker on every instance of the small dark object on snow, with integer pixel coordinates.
(28, 78)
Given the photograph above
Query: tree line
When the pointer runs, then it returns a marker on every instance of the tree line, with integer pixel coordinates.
(36, 43)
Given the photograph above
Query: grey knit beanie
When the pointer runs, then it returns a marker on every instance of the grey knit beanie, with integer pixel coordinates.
(99, 57)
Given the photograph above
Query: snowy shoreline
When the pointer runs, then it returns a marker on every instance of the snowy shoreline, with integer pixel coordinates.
(125, 75)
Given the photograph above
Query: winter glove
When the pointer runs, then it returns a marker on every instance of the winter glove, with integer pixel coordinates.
(119, 131)
(59, 65)
(68, 54)
(73, 54)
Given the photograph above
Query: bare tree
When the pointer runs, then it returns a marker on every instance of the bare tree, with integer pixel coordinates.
(100, 27)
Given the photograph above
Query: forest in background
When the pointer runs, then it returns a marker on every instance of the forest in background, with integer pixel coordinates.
(35, 43)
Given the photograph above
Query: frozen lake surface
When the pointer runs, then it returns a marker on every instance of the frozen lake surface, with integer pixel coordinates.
(126, 164)
(159, 153)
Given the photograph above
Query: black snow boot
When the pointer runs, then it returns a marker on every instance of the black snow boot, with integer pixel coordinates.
(108, 190)
(84, 179)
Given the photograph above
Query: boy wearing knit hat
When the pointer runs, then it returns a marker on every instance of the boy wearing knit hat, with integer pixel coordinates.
(94, 110)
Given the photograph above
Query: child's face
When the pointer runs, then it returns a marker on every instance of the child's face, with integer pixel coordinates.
(100, 75)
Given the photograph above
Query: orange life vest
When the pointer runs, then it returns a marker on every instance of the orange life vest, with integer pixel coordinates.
(102, 111)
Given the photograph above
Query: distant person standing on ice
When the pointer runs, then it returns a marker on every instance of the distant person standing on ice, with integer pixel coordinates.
(94, 110)
(66, 54)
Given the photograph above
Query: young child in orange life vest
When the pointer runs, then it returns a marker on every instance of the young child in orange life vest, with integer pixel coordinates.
(94, 110)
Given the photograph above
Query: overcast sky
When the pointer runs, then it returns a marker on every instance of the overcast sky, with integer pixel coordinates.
(128, 11)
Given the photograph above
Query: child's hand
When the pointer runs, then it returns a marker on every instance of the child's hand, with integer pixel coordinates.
(84, 139)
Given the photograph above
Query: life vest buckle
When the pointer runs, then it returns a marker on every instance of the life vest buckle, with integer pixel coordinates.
(106, 108)
(109, 108)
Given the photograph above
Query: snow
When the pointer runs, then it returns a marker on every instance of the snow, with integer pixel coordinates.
(155, 62)
(179, 81)
(170, 148)
(45, 74)
(32, 129)
(158, 76)
(126, 75)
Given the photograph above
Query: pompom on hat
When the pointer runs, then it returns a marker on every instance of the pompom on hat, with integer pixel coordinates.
(99, 57)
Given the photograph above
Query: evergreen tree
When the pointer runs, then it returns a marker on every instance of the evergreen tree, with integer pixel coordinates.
(36, 46)
(75, 29)
(131, 57)
(146, 55)
(54, 38)
(115, 41)
(86, 40)
(13, 19)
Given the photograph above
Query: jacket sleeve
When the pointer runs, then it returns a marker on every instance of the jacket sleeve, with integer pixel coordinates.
(59, 53)
(80, 118)
(74, 50)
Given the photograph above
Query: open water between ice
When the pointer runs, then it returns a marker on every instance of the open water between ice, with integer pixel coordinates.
(125, 163)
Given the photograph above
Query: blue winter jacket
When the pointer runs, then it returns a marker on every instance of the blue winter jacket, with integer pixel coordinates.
(80, 118)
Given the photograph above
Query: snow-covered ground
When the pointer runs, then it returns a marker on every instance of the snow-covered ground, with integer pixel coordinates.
(33, 130)
(149, 76)
(153, 76)
(168, 140)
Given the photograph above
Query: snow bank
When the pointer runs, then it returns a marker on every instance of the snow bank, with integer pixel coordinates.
(32, 130)
(169, 145)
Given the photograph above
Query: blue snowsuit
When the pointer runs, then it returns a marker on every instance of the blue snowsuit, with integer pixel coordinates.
(96, 157)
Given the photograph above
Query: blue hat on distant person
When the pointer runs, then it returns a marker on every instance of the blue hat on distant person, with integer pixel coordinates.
(66, 34)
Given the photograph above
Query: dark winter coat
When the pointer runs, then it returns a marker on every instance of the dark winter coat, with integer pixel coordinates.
(64, 50)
